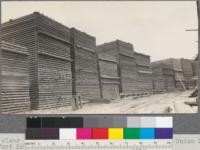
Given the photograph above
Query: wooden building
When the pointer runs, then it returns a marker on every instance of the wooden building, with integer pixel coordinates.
(50, 60)
(14, 78)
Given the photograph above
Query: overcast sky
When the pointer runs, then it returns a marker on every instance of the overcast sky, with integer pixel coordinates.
(154, 28)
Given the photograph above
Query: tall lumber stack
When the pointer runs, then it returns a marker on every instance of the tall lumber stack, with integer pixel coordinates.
(126, 64)
(163, 76)
(188, 72)
(178, 72)
(108, 75)
(128, 67)
(145, 81)
(171, 72)
(48, 43)
(86, 77)
(14, 78)
(194, 67)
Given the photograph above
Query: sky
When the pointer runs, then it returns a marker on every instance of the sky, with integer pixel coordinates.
(154, 28)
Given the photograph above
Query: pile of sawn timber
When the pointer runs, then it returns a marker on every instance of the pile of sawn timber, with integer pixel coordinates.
(175, 73)
(163, 75)
(145, 81)
(188, 72)
(86, 66)
(14, 78)
(131, 72)
(62, 61)
(109, 75)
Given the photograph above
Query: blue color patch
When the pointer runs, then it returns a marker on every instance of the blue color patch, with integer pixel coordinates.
(147, 133)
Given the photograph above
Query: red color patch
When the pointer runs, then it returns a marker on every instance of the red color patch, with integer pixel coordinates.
(100, 133)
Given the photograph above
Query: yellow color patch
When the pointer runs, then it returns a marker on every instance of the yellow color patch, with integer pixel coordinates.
(115, 133)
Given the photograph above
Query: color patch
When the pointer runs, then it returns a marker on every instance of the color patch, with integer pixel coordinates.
(115, 133)
(133, 122)
(131, 133)
(59, 122)
(147, 133)
(119, 122)
(67, 134)
(164, 122)
(33, 122)
(50, 133)
(33, 134)
(84, 133)
(148, 122)
(90, 122)
(99, 133)
(163, 133)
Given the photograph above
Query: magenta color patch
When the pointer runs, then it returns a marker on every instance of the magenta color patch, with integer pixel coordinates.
(84, 133)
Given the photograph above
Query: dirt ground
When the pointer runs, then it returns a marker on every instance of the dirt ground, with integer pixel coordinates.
(173, 102)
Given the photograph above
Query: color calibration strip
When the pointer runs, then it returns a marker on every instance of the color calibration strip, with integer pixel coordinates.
(117, 128)
(99, 133)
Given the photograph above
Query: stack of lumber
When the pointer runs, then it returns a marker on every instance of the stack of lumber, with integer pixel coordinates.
(50, 60)
(163, 76)
(178, 72)
(14, 78)
(108, 76)
(145, 80)
(126, 64)
(194, 67)
(86, 65)
(194, 70)
(175, 64)
(172, 72)
(188, 72)
(128, 67)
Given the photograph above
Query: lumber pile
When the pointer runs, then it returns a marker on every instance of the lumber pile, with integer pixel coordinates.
(145, 80)
(188, 72)
(128, 67)
(50, 60)
(194, 70)
(108, 76)
(86, 65)
(163, 76)
(176, 72)
(14, 78)
(126, 64)
(194, 67)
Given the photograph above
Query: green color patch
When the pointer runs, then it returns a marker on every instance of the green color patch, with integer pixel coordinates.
(131, 133)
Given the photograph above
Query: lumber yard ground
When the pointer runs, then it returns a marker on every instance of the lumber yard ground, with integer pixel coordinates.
(172, 102)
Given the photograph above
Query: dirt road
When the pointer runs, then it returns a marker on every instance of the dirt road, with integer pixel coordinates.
(161, 103)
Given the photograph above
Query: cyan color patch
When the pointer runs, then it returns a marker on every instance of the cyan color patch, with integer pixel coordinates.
(147, 133)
